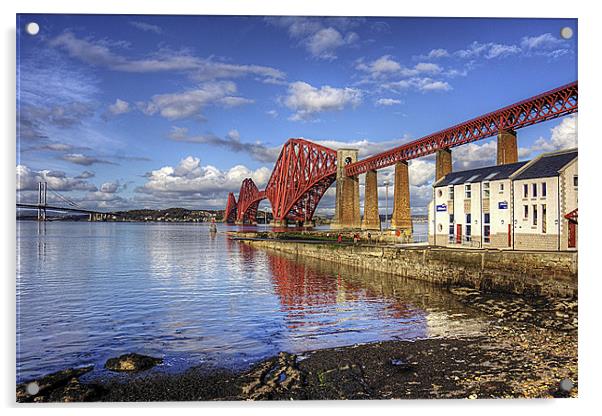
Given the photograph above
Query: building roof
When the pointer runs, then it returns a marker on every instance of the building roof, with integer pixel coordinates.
(489, 173)
(547, 165)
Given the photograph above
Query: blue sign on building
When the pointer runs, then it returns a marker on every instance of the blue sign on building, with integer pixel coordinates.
(502, 205)
(441, 208)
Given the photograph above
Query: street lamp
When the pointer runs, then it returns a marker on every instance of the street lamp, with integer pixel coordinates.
(386, 204)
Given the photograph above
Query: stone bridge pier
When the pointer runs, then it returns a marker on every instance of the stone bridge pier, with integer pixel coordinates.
(347, 205)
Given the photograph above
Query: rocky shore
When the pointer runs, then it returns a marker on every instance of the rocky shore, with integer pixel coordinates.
(527, 350)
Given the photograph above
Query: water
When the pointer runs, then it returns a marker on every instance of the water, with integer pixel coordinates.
(90, 291)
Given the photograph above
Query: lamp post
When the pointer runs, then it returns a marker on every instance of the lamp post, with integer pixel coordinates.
(386, 204)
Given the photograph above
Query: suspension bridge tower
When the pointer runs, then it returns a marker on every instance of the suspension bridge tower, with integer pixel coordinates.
(42, 200)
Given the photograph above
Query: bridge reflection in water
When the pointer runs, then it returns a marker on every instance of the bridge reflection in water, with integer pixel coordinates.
(395, 307)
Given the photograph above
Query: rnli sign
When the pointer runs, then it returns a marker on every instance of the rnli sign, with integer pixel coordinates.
(502, 205)
(441, 208)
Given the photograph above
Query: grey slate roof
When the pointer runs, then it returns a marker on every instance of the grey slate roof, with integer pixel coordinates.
(547, 165)
(489, 173)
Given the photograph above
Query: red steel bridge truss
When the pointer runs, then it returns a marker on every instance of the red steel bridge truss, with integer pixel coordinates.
(305, 170)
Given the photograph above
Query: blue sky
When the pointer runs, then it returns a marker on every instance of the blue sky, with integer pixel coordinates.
(159, 111)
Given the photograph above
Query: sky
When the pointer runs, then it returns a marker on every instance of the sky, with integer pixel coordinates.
(126, 112)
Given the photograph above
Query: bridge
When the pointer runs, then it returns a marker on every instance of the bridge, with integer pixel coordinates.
(305, 170)
(42, 206)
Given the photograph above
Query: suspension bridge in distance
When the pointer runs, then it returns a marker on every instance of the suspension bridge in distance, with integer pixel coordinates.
(42, 206)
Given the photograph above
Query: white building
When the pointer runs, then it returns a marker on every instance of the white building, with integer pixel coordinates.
(522, 206)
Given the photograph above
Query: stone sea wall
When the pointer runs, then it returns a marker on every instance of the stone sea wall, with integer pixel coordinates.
(552, 274)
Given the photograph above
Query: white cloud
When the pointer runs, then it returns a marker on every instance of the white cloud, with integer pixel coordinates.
(421, 84)
(189, 103)
(387, 102)
(563, 136)
(146, 27)
(109, 187)
(189, 177)
(543, 41)
(119, 107)
(324, 42)
(231, 142)
(84, 160)
(321, 37)
(27, 180)
(98, 54)
(307, 100)
(435, 54)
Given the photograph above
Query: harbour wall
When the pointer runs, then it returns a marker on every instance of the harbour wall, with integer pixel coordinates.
(529, 273)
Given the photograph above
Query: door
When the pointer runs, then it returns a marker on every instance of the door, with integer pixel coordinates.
(509, 235)
(572, 234)
(458, 233)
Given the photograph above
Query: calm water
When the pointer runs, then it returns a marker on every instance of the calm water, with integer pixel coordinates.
(90, 291)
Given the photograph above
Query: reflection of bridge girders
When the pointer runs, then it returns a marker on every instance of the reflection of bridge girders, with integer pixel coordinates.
(547, 106)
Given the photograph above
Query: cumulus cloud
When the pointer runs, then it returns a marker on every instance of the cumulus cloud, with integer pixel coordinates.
(99, 54)
(119, 107)
(321, 37)
(306, 100)
(85, 175)
(392, 75)
(85, 160)
(387, 102)
(563, 136)
(230, 142)
(109, 187)
(28, 179)
(386, 67)
(189, 103)
(190, 178)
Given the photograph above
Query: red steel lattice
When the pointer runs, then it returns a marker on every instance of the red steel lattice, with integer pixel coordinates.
(248, 202)
(230, 213)
(303, 172)
(549, 105)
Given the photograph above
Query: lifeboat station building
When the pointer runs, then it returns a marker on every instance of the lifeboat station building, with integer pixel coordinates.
(529, 205)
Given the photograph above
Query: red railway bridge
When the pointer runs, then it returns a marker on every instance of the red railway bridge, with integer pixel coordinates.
(305, 170)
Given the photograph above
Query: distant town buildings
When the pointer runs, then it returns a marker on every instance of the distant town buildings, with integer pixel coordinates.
(528, 205)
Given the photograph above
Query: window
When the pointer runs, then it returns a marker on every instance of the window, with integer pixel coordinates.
(534, 214)
(543, 218)
(451, 228)
(544, 189)
(534, 190)
(451, 192)
(486, 228)
(439, 193)
(575, 181)
(486, 190)
(468, 227)
(501, 187)
(467, 191)
(525, 211)
(525, 190)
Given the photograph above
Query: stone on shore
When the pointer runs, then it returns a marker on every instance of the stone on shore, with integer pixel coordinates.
(132, 362)
(62, 386)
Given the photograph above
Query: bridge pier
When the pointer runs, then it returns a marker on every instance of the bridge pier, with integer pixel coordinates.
(402, 217)
(443, 163)
(347, 205)
(507, 147)
(371, 220)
